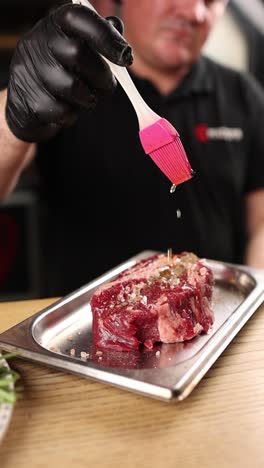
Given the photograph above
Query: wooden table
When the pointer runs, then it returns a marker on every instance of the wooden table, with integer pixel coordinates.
(65, 421)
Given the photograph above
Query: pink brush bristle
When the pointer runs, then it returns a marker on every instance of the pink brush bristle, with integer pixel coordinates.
(162, 142)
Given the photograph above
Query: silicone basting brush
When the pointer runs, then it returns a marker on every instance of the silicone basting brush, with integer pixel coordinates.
(159, 139)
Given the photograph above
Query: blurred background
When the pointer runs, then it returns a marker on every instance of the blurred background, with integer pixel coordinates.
(238, 41)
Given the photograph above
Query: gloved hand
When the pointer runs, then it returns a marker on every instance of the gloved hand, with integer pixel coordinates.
(56, 69)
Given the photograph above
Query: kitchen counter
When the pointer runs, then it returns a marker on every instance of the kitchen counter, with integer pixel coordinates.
(70, 422)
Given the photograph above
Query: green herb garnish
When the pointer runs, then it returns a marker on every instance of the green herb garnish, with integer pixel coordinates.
(8, 392)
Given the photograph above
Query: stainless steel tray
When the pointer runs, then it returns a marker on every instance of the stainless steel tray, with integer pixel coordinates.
(60, 336)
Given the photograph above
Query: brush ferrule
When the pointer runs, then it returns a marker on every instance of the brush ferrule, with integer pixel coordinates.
(157, 135)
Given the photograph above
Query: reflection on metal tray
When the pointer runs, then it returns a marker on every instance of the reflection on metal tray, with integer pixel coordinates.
(61, 336)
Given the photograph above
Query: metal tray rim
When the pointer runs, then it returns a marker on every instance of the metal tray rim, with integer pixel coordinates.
(188, 374)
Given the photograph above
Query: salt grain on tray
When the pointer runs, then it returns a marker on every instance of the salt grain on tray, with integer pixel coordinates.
(55, 349)
(84, 355)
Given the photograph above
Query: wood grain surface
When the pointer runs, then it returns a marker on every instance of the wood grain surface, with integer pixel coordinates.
(64, 421)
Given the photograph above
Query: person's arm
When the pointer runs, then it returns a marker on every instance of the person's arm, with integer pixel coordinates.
(253, 98)
(15, 154)
(55, 71)
(254, 205)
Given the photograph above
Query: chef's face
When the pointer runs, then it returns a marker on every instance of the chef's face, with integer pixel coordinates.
(169, 33)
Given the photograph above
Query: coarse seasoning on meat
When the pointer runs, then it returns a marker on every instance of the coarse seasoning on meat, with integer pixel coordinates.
(160, 299)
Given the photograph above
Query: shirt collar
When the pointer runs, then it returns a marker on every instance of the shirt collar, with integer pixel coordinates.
(199, 80)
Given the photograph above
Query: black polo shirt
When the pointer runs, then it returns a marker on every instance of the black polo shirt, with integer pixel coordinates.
(107, 200)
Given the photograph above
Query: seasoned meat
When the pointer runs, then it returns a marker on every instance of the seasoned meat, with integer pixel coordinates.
(160, 299)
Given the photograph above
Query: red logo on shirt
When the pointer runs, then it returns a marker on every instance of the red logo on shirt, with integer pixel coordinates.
(204, 133)
(201, 132)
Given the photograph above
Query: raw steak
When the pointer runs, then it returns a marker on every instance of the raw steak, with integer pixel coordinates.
(161, 299)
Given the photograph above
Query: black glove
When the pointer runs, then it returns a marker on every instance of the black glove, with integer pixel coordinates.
(56, 69)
